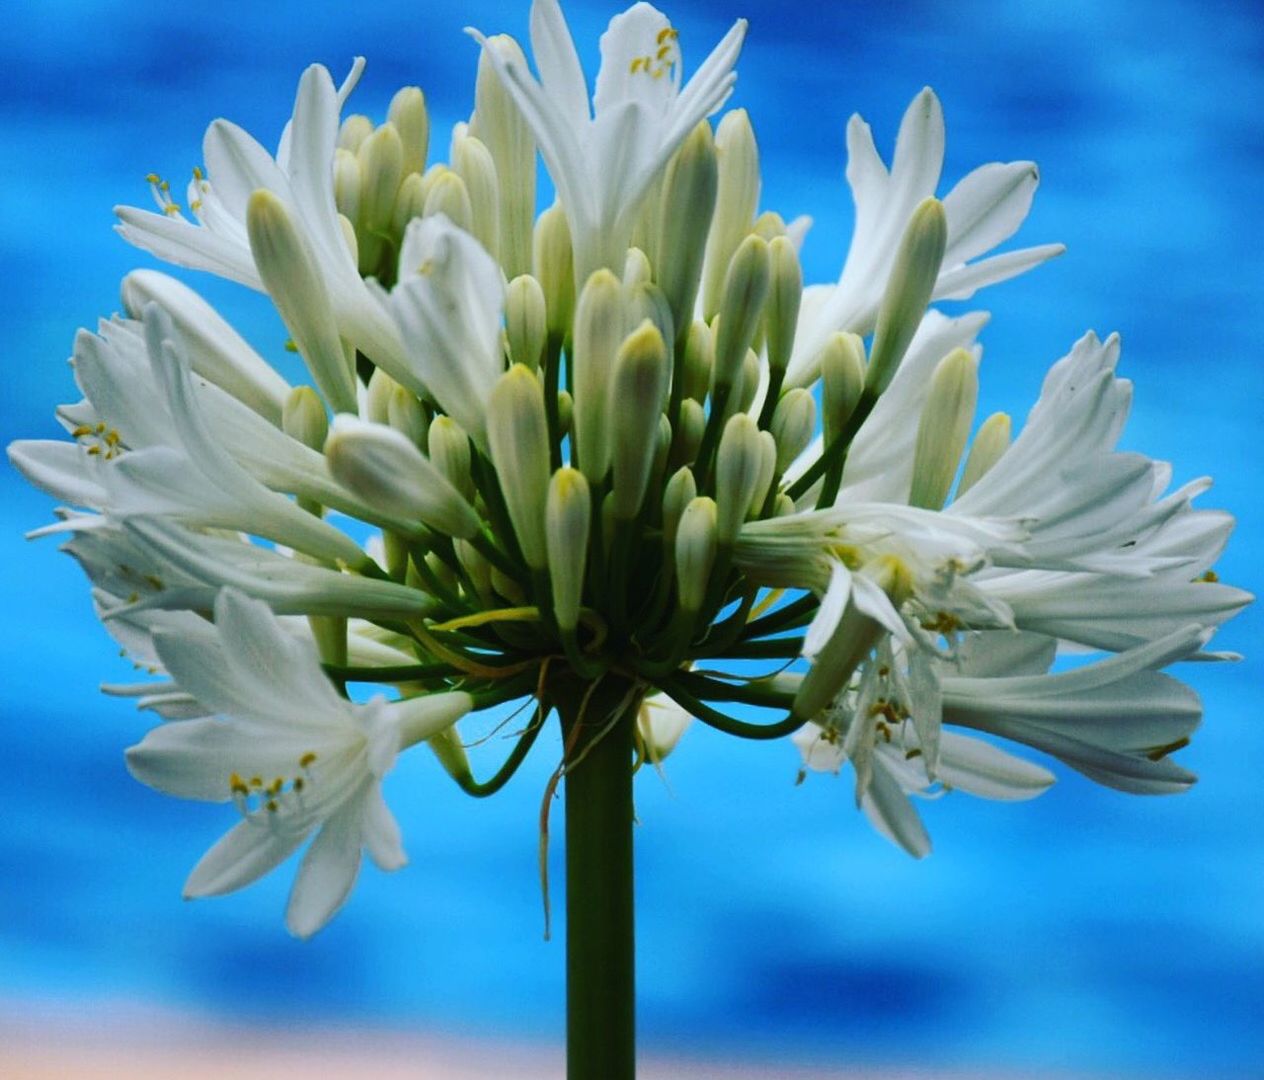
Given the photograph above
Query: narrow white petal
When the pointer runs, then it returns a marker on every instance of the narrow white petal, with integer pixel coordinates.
(328, 872)
(242, 855)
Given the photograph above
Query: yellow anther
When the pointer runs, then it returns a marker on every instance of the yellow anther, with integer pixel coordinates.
(256, 781)
(275, 787)
(112, 438)
(664, 51)
(197, 172)
(171, 208)
(667, 34)
(164, 185)
(155, 581)
(152, 178)
(81, 431)
(1209, 575)
(94, 449)
(639, 62)
(195, 205)
(299, 783)
(237, 785)
(306, 760)
(290, 346)
(99, 429)
(909, 755)
(133, 597)
(271, 804)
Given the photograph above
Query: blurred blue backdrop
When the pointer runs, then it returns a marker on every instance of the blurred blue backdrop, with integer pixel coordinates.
(1087, 931)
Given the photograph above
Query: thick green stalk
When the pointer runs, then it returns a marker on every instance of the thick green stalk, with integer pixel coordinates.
(599, 722)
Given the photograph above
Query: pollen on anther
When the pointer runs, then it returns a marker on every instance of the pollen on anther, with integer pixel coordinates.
(306, 760)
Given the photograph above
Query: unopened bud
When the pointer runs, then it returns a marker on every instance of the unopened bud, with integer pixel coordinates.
(347, 184)
(661, 723)
(908, 291)
(737, 473)
(781, 313)
(745, 290)
(377, 400)
(637, 388)
(526, 321)
(645, 300)
(990, 442)
(636, 268)
(477, 567)
(598, 334)
(407, 416)
(842, 365)
(473, 163)
(353, 131)
(554, 269)
(678, 493)
(699, 360)
(793, 424)
(687, 204)
(567, 520)
(737, 195)
(783, 506)
(381, 158)
(565, 411)
(304, 418)
(695, 552)
(518, 438)
(449, 196)
(944, 428)
(449, 448)
(769, 226)
(408, 113)
(385, 469)
(689, 431)
(409, 203)
(290, 273)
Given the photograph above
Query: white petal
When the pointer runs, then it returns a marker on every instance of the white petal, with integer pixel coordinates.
(328, 872)
(893, 815)
(242, 855)
(981, 769)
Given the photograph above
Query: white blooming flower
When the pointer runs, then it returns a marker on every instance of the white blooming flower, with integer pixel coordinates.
(289, 753)
(603, 160)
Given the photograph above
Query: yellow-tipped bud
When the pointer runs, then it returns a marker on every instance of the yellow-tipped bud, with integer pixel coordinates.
(745, 389)
(781, 314)
(554, 269)
(737, 195)
(353, 131)
(598, 334)
(783, 506)
(767, 470)
(499, 123)
(636, 268)
(526, 321)
(738, 465)
(842, 365)
(679, 492)
(381, 158)
(448, 195)
(407, 416)
(377, 401)
(637, 388)
(944, 428)
(690, 427)
(410, 202)
(290, 273)
(473, 163)
(517, 436)
(303, 417)
(407, 112)
(695, 552)
(347, 184)
(908, 291)
(699, 360)
(565, 411)
(990, 442)
(385, 469)
(567, 520)
(687, 205)
(769, 225)
(449, 448)
(745, 290)
(793, 424)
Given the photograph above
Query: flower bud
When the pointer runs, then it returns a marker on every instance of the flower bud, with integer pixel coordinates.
(737, 471)
(990, 442)
(781, 313)
(793, 425)
(289, 272)
(449, 196)
(783, 506)
(565, 411)
(737, 195)
(377, 400)
(769, 226)
(215, 350)
(526, 324)
(695, 553)
(908, 291)
(679, 492)
(661, 723)
(636, 268)
(347, 184)
(405, 414)
(518, 438)
(353, 131)
(387, 471)
(745, 290)
(381, 158)
(645, 300)
(499, 123)
(407, 112)
(508, 588)
(473, 163)
(304, 418)
(567, 519)
(767, 470)
(597, 336)
(842, 366)
(554, 269)
(699, 360)
(449, 448)
(478, 569)
(745, 389)
(850, 640)
(410, 202)
(944, 428)
(637, 388)
(690, 427)
(663, 446)
(687, 204)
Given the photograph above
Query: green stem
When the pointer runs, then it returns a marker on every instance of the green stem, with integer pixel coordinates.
(599, 722)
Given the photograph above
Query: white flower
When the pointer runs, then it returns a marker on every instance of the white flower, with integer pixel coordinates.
(293, 756)
(604, 160)
(984, 209)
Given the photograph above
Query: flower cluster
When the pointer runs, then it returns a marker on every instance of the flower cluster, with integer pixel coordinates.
(619, 440)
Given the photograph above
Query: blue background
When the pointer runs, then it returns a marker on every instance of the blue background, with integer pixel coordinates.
(1087, 931)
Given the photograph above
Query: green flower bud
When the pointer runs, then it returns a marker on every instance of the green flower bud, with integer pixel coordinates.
(303, 417)
(991, 441)
(478, 569)
(689, 429)
(526, 321)
(636, 268)
(473, 163)
(944, 428)
(554, 269)
(598, 334)
(842, 366)
(781, 314)
(449, 448)
(637, 388)
(737, 195)
(353, 131)
(567, 519)
(406, 415)
(699, 361)
(378, 398)
(745, 290)
(347, 184)
(407, 112)
(409, 203)
(381, 158)
(679, 492)
(687, 205)
(289, 272)
(448, 195)
(738, 465)
(908, 291)
(695, 553)
(517, 436)
(565, 411)
(783, 506)
(793, 425)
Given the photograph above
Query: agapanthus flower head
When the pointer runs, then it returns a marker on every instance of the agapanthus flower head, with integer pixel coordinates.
(617, 452)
